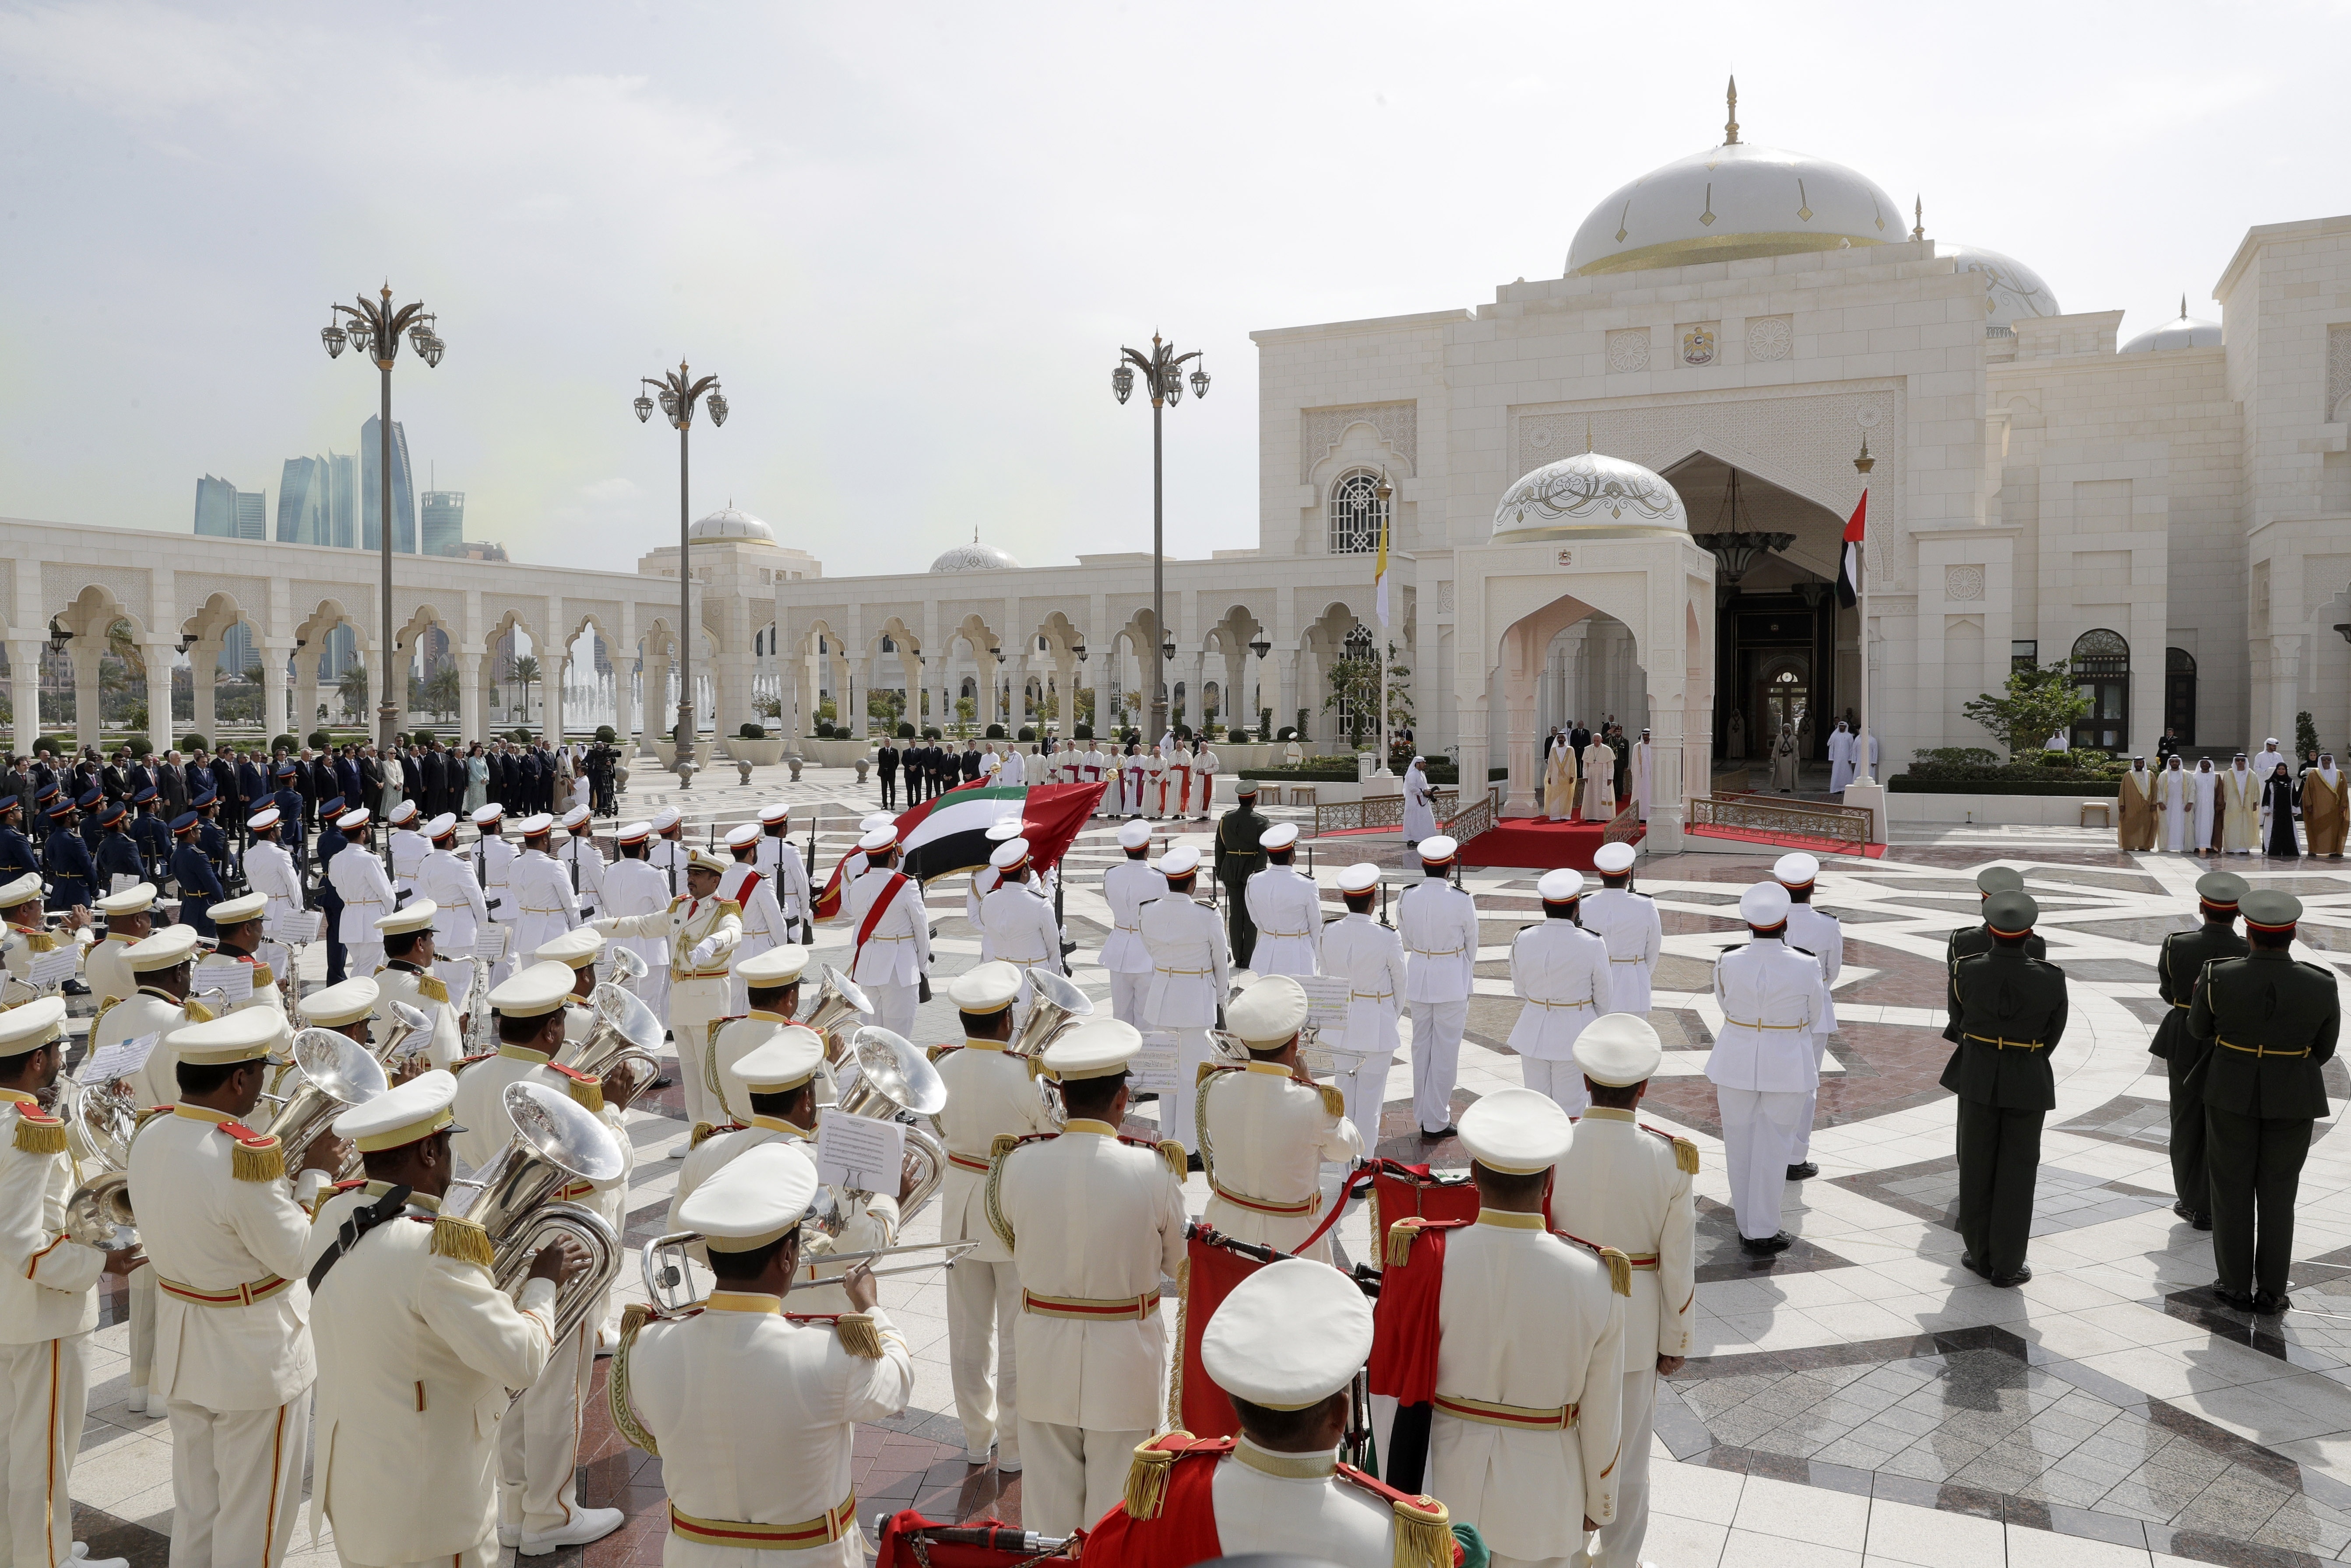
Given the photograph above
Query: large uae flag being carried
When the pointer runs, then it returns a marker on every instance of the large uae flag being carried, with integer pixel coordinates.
(949, 834)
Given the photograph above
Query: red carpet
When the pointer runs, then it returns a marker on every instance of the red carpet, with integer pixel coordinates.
(1535, 843)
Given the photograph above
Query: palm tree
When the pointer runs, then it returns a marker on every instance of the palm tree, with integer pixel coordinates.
(352, 689)
(441, 691)
(525, 672)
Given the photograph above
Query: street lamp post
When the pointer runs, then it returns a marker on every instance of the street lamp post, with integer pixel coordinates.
(374, 329)
(1163, 370)
(678, 392)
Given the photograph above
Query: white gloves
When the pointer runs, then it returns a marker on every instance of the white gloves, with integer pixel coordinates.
(704, 951)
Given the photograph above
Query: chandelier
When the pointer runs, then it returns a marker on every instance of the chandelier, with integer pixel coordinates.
(1736, 548)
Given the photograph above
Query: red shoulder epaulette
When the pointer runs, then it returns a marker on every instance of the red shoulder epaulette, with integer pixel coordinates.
(1618, 1264)
(1684, 1152)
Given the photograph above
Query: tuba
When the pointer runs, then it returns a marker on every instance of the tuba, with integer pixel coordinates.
(101, 1119)
(404, 1024)
(99, 1212)
(555, 1141)
(895, 1082)
(628, 965)
(838, 1006)
(625, 1030)
(1056, 1002)
(332, 1072)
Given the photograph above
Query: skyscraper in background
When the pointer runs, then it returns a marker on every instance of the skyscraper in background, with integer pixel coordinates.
(251, 515)
(343, 500)
(236, 653)
(444, 521)
(224, 512)
(370, 483)
(318, 501)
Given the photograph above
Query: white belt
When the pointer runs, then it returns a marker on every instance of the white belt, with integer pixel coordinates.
(1628, 960)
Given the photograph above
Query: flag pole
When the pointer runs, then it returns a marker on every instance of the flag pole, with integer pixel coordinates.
(1379, 598)
(1864, 773)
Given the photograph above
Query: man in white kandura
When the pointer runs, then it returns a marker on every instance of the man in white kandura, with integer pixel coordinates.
(1641, 776)
(753, 1410)
(991, 1094)
(890, 933)
(1286, 907)
(1813, 931)
(233, 1359)
(1267, 1129)
(366, 890)
(1419, 802)
(1840, 758)
(1627, 1186)
(1563, 973)
(1369, 956)
(1628, 922)
(1439, 923)
(1016, 920)
(1093, 1222)
(1125, 884)
(48, 1303)
(1764, 1073)
(1191, 976)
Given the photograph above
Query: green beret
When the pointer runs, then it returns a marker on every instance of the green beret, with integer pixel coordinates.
(2224, 887)
(1999, 879)
(2009, 914)
(2271, 910)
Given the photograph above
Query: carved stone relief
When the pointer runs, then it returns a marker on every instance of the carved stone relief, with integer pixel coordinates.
(1628, 349)
(1320, 431)
(1963, 584)
(1771, 337)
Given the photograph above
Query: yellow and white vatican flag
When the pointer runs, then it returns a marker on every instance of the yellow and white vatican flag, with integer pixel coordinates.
(1380, 573)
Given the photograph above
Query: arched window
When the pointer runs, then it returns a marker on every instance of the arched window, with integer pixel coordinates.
(1356, 514)
(2179, 695)
(2102, 673)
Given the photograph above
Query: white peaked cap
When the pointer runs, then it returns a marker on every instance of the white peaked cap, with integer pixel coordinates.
(1361, 877)
(1560, 886)
(404, 1115)
(988, 987)
(131, 900)
(1181, 861)
(1797, 869)
(778, 966)
(665, 818)
(749, 833)
(445, 823)
(1134, 833)
(1009, 856)
(1269, 1014)
(1765, 904)
(783, 1061)
(486, 815)
(1255, 1351)
(1613, 860)
(1618, 1049)
(876, 840)
(337, 1006)
(1279, 836)
(1094, 1050)
(1517, 1131)
(576, 817)
(532, 826)
(755, 1199)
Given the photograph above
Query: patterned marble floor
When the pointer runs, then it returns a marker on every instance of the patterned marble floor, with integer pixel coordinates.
(1859, 1399)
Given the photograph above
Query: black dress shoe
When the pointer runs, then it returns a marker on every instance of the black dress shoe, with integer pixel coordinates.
(2270, 1306)
(74, 988)
(2200, 1221)
(1798, 1173)
(2244, 1301)
(1764, 1246)
(2010, 1281)
(1192, 1163)
(2182, 1210)
(1446, 1131)
(1968, 1261)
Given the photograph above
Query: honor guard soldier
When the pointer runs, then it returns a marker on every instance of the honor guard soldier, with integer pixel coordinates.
(1191, 976)
(1439, 923)
(417, 1347)
(701, 930)
(2178, 966)
(632, 886)
(582, 861)
(119, 864)
(1017, 921)
(543, 906)
(461, 915)
(407, 975)
(1094, 1222)
(17, 856)
(1626, 1185)
(149, 831)
(1240, 855)
(49, 1304)
(891, 933)
(1286, 908)
(768, 1467)
(270, 871)
(233, 1358)
(1267, 1129)
(1969, 940)
(2272, 1022)
(1628, 921)
(538, 1440)
(493, 862)
(780, 863)
(193, 874)
(65, 859)
(1815, 932)
(408, 846)
(771, 988)
(1512, 1338)
(670, 855)
(1125, 884)
(990, 1094)
(1278, 1488)
(1761, 1065)
(329, 844)
(130, 918)
(1563, 973)
(1369, 956)
(366, 893)
(2011, 1012)
(780, 1078)
(746, 886)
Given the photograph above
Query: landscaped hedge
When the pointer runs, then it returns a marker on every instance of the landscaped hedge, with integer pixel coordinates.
(2087, 789)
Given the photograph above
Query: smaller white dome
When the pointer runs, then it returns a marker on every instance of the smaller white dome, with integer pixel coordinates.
(726, 523)
(2184, 331)
(1588, 491)
(975, 557)
(2013, 291)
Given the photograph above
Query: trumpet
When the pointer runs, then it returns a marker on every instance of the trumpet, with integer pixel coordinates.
(625, 1030)
(837, 1006)
(555, 1141)
(1055, 1003)
(335, 1073)
(669, 1279)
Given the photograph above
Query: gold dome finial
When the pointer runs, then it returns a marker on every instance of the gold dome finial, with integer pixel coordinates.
(1918, 216)
(1730, 126)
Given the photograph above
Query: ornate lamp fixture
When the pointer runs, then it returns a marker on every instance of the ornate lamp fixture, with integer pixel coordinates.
(1737, 548)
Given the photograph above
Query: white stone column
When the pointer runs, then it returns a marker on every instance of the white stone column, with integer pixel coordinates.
(24, 698)
(1197, 664)
(159, 658)
(85, 651)
(2286, 691)
(469, 665)
(203, 670)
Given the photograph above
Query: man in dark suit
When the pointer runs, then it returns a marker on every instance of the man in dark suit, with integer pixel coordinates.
(139, 776)
(2012, 1011)
(433, 768)
(349, 784)
(411, 776)
(528, 768)
(288, 801)
(251, 788)
(885, 763)
(326, 784)
(2178, 965)
(2272, 1021)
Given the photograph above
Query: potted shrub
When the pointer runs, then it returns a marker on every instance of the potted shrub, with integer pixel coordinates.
(750, 744)
(191, 741)
(1082, 732)
(1027, 733)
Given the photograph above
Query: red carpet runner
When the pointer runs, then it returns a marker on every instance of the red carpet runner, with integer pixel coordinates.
(1535, 843)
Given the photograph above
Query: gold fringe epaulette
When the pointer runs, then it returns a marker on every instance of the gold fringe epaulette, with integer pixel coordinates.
(1620, 1271)
(97, 1018)
(1208, 1070)
(1335, 1099)
(1684, 1152)
(634, 1316)
(197, 1012)
(705, 1130)
(1423, 1533)
(587, 1093)
(858, 1335)
(257, 1156)
(264, 976)
(464, 1062)
(431, 986)
(1146, 1476)
(463, 1240)
(1401, 1236)
(39, 1135)
(1179, 1164)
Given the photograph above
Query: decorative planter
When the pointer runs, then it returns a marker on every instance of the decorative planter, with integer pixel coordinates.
(666, 750)
(758, 753)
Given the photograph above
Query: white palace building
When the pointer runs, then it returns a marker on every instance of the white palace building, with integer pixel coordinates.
(2172, 513)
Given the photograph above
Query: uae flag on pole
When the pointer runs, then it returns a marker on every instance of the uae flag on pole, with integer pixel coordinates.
(1849, 562)
(947, 834)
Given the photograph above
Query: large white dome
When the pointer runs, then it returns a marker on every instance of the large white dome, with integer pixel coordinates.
(1731, 202)
(2013, 291)
(975, 557)
(726, 523)
(2185, 333)
(1586, 492)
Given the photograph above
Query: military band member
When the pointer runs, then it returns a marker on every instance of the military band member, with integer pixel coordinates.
(193, 874)
(233, 1357)
(544, 905)
(1816, 932)
(236, 927)
(1524, 1368)
(347, 1009)
(990, 1094)
(1125, 884)
(130, 918)
(1191, 976)
(538, 1440)
(701, 930)
(365, 890)
(2272, 1022)
(1969, 940)
(1278, 1486)
(772, 989)
(1094, 1223)
(408, 846)
(891, 933)
(2011, 1012)
(1439, 923)
(578, 950)
(494, 862)
(582, 861)
(2178, 966)
(746, 886)
(1267, 1129)
(1018, 920)
(1626, 1185)
(770, 1468)
(416, 1344)
(409, 975)
(1563, 973)
(48, 1303)
(1285, 906)
(1369, 956)
(780, 863)
(1761, 1065)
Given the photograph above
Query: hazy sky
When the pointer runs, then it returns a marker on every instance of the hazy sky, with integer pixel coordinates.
(911, 238)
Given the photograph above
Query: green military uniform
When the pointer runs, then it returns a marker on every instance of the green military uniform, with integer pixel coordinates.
(1969, 940)
(2273, 1021)
(2178, 967)
(2010, 1009)
(1240, 857)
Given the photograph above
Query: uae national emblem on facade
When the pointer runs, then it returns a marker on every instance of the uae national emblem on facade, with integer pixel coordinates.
(1698, 346)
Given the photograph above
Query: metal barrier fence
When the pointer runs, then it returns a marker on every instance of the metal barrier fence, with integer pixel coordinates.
(1374, 812)
(1762, 814)
(1477, 818)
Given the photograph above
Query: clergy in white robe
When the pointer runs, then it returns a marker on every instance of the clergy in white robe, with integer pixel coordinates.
(1599, 781)
(2240, 808)
(1642, 778)
(2207, 785)
(1840, 758)
(2175, 807)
